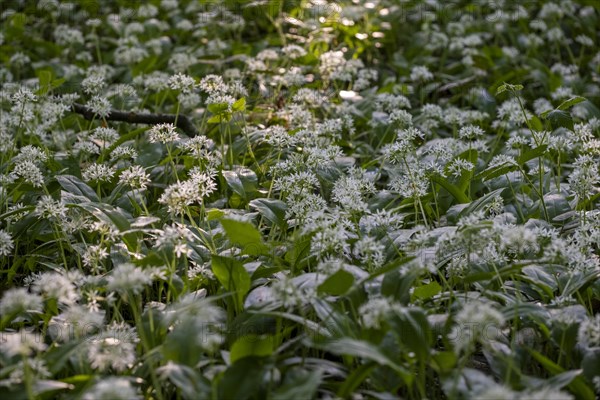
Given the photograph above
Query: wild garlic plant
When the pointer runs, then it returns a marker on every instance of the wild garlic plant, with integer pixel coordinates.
(308, 199)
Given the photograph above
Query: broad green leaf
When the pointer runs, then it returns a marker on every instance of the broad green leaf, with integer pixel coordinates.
(239, 105)
(427, 291)
(217, 119)
(272, 209)
(115, 217)
(530, 154)
(243, 379)
(578, 385)
(190, 383)
(251, 345)
(233, 276)
(234, 182)
(535, 124)
(242, 181)
(481, 202)
(496, 171)
(76, 186)
(245, 235)
(454, 190)
(560, 119)
(366, 351)
(45, 80)
(397, 285)
(565, 105)
(355, 378)
(413, 331)
(218, 108)
(299, 383)
(443, 361)
(338, 283)
(214, 214)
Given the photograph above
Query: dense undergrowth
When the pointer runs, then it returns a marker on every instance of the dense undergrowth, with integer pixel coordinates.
(383, 199)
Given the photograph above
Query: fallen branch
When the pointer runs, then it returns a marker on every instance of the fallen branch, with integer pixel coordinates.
(181, 121)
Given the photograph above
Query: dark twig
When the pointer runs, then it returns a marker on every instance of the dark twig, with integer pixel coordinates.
(183, 122)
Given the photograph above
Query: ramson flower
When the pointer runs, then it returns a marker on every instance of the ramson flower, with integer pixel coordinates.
(6, 243)
(163, 133)
(128, 278)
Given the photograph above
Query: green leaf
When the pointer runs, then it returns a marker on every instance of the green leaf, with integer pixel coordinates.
(298, 384)
(233, 276)
(427, 291)
(530, 154)
(354, 379)
(271, 209)
(507, 86)
(454, 190)
(218, 108)
(239, 105)
(251, 345)
(481, 202)
(443, 361)
(496, 171)
(245, 235)
(565, 105)
(413, 331)
(214, 214)
(242, 379)
(188, 381)
(535, 124)
(45, 80)
(242, 181)
(577, 386)
(397, 285)
(76, 186)
(560, 119)
(217, 119)
(337, 284)
(234, 182)
(366, 351)
(115, 217)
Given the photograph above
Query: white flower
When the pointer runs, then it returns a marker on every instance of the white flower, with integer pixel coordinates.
(18, 300)
(128, 278)
(182, 82)
(369, 251)
(458, 165)
(290, 294)
(375, 311)
(98, 173)
(470, 132)
(420, 73)
(100, 106)
(30, 173)
(123, 152)
(107, 135)
(48, 208)
(109, 352)
(293, 51)
(30, 153)
(476, 322)
(135, 177)
(56, 286)
(213, 84)
(589, 332)
(21, 343)
(76, 322)
(93, 255)
(163, 133)
(6, 243)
